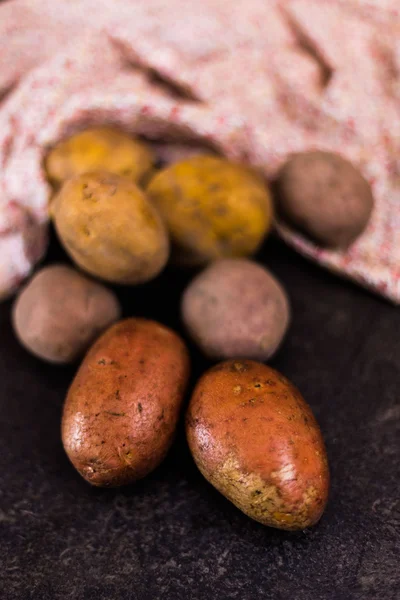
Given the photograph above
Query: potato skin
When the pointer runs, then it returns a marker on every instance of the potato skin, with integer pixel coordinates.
(110, 229)
(324, 196)
(236, 308)
(99, 148)
(122, 408)
(256, 440)
(174, 152)
(59, 313)
(213, 208)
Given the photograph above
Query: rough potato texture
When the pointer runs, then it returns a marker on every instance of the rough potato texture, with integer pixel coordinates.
(60, 312)
(236, 308)
(256, 440)
(101, 148)
(122, 408)
(110, 229)
(324, 196)
(213, 208)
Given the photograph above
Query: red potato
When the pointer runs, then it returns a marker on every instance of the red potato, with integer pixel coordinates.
(256, 441)
(122, 408)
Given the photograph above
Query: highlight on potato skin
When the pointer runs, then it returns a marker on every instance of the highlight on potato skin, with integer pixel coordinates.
(213, 208)
(122, 409)
(110, 229)
(100, 148)
(255, 439)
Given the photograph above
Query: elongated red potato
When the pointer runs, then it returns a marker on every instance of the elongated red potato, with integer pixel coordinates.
(123, 406)
(256, 440)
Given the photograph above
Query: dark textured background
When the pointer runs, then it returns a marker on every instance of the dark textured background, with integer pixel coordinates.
(172, 535)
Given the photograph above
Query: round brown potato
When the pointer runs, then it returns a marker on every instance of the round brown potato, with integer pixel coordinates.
(110, 229)
(122, 408)
(213, 208)
(100, 148)
(256, 441)
(324, 196)
(60, 312)
(236, 308)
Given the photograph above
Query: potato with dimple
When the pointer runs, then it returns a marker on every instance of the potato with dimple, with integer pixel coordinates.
(236, 308)
(256, 441)
(122, 409)
(324, 196)
(213, 208)
(100, 148)
(110, 229)
(60, 312)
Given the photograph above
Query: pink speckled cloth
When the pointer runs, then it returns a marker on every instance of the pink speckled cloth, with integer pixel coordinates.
(259, 79)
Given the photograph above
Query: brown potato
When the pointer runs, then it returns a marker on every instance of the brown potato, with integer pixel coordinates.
(256, 440)
(122, 408)
(60, 312)
(236, 308)
(324, 196)
(100, 148)
(110, 229)
(212, 208)
(170, 153)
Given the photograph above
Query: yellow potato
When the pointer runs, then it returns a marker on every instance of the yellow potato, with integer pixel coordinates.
(213, 208)
(110, 229)
(100, 148)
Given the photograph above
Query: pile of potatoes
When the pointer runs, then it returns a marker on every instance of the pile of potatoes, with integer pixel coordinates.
(121, 219)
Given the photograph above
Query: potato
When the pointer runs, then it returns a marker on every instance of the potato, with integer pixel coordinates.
(236, 308)
(122, 408)
(212, 208)
(100, 148)
(256, 441)
(324, 196)
(169, 153)
(110, 229)
(60, 312)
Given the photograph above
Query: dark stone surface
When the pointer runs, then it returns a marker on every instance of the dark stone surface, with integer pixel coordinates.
(172, 535)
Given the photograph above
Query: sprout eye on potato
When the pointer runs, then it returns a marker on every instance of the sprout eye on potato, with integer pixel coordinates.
(110, 229)
(122, 408)
(255, 439)
(100, 148)
(324, 196)
(213, 208)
